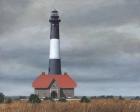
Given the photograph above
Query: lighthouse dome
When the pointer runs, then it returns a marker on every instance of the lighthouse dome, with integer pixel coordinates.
(54, 13)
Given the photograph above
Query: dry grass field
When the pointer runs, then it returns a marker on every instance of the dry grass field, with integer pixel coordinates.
(108, 105)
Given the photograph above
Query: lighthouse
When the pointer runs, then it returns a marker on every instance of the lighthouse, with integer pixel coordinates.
(54, 84)
(54, 57)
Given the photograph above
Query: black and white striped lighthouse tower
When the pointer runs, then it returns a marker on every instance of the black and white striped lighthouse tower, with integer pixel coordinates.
(54, 57)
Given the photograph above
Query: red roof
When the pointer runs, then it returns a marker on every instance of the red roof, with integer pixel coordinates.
(63, 81)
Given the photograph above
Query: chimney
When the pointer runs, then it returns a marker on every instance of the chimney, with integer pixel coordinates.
(43, 73)
(65, 73)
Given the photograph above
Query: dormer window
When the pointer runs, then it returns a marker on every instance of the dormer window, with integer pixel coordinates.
(53, 85)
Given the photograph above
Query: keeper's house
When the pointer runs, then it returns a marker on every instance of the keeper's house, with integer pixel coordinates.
(54, 86)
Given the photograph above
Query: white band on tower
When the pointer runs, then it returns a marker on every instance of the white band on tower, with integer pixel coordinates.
(54, 49)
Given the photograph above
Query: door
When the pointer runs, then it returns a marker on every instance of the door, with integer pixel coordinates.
(53, 94)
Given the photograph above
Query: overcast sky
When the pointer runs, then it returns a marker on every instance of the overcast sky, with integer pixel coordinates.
(100, 44)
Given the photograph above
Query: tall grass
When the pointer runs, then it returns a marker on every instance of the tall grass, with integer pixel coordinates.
(75, 106)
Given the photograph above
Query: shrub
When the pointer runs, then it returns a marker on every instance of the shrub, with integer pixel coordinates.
(49, 99)
(62, 99)
(110, 97)
(8, 100)
(137, 98)
(22, 97)
(85, 99)
(121, 98)
(1, 97)
(34, 99)
(46, 98)
(93, 97)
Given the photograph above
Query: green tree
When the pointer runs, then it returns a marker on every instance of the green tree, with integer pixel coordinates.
(85, 99)
(1, 97)
(34, 99)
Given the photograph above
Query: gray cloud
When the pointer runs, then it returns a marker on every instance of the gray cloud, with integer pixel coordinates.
(100, 43)
(117, 14)
(10, 11)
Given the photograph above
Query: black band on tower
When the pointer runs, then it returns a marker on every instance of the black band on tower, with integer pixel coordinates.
(54, 20)
(54, 66)
(54, 34)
